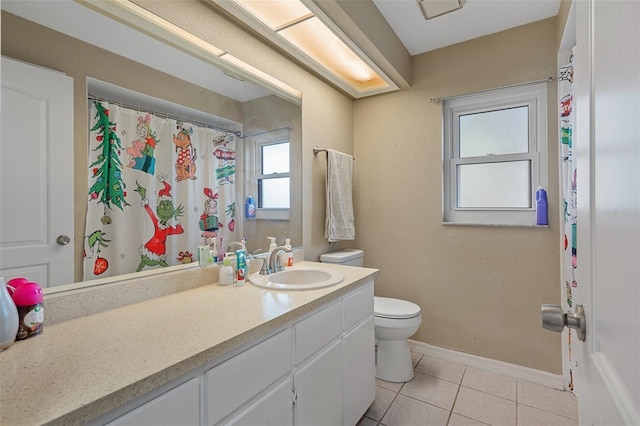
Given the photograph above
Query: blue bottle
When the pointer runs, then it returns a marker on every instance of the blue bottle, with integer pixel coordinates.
(542, 216)
(250, 208)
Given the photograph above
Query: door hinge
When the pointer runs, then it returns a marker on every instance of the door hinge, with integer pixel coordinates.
(294, 396)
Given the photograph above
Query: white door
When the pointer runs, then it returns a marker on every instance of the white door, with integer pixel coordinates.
(607, 76)
(36, 174)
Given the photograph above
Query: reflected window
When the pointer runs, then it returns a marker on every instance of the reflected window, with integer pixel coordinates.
(273, 181)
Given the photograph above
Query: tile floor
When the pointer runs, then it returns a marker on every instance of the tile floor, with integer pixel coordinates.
(444, 393)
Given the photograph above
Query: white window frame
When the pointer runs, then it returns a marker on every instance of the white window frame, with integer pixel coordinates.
(256, 175)
(532, 95)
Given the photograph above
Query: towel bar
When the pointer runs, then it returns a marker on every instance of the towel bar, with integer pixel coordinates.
(316, 150)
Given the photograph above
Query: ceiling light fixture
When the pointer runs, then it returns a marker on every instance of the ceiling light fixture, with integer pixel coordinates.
(434, 8)
(141, 19)
(299, 27)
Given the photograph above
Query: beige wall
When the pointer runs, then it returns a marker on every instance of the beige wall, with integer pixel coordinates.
(480, 288)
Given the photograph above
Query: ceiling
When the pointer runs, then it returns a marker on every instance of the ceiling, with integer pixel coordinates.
(476, 18)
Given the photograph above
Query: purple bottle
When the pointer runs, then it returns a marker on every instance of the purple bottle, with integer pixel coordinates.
(542, 217)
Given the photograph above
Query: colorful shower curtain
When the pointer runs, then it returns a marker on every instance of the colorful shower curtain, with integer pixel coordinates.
(158, 188)
(568, 178)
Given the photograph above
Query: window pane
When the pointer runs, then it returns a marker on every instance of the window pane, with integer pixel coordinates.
(275, 158)
(504, 131)
(274, 193)
(501, 185)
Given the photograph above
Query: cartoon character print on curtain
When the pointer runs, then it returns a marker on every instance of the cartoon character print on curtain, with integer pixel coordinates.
(568, 188)
(159, 187)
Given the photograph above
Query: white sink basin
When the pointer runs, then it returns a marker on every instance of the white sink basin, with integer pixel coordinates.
(298, 278)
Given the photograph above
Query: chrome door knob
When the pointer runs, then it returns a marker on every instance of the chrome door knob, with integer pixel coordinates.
(63, 240)
(555, 319)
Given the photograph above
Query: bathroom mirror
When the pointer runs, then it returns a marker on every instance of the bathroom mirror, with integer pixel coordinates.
(144, 65)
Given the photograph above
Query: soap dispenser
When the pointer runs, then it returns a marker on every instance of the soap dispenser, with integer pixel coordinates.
(288, 255)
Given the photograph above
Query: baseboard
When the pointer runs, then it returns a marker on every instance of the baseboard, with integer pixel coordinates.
(499, 367)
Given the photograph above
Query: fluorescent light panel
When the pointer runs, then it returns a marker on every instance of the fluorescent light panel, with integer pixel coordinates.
(139, 18)
(294, 22)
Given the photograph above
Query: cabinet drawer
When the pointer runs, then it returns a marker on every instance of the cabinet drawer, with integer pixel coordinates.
(273, 409)
(317, 331)
(180, 405)
(357, 306)
(236, 381)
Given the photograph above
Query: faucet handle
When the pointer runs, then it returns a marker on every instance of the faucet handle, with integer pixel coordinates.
(265, 270)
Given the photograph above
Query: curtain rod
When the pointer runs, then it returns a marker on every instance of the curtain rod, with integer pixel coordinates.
(547, 80)
(266, 131)
(161, 114)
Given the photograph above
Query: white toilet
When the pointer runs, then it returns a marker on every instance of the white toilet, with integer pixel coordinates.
(395, 321)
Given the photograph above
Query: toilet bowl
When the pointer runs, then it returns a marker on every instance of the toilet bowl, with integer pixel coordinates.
(395, 321)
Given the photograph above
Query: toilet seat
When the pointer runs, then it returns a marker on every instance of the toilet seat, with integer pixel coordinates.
(386, 307)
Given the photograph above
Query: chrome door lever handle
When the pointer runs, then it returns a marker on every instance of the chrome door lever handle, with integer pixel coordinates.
(555, 319)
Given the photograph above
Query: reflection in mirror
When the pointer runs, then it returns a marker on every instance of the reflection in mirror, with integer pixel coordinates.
(133, 70)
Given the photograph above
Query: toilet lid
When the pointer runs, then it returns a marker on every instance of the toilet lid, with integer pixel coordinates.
(387, 307)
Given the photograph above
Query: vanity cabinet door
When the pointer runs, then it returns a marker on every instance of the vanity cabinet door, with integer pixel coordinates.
(359, 370)
(178, 406)
(319, 393)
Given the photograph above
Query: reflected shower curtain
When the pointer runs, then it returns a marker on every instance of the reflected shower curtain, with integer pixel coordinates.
(568, 182)
(158, 188)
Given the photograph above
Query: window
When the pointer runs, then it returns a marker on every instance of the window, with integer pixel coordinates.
(270, 178)
(495, 156)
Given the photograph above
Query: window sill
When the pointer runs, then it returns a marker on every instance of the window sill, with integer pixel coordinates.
(271, 214)
(501, 225)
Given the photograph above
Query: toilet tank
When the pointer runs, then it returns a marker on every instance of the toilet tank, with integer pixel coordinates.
(349, 257)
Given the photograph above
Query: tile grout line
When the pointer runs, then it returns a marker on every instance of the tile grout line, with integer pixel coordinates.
(456, 397)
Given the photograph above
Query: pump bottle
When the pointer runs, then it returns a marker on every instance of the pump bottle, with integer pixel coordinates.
(272, 244)
(288, 255)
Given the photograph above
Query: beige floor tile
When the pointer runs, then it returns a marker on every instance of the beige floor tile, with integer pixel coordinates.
(529, 416)
(392, 386)
(384, 398)
(415, 358)
(441, 369)
(548, 399)
(407, 411)
(485, 381)
(485, 407)
(366, 421)
(432, 390)
(458, 420)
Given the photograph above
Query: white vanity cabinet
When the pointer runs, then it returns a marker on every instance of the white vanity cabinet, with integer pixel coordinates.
(316, 370)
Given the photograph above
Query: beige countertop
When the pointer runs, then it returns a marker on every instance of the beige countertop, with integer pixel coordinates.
(82, 368)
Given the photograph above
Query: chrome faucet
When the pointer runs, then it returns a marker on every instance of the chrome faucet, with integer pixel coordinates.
(234, 243)
(274, 261)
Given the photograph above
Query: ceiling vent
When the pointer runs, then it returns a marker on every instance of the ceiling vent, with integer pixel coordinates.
(434, 8)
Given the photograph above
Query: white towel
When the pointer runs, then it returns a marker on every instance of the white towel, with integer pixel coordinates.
(339, 224)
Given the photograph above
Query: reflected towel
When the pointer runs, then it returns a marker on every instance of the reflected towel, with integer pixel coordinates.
(339, 223)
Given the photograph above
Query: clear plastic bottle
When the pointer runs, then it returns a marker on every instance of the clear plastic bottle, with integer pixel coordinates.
(288, 255)
(226, 272)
